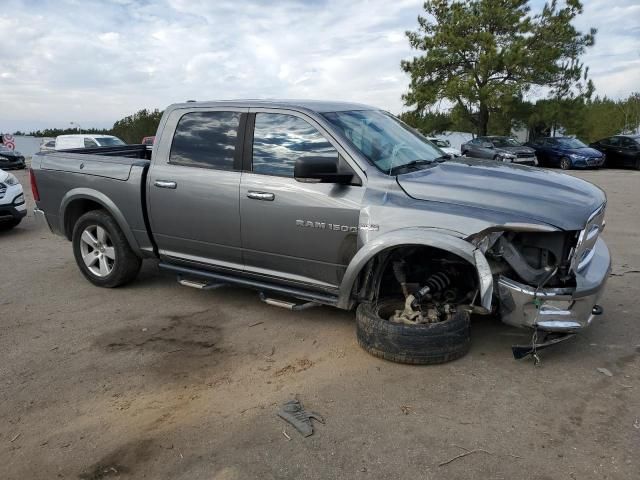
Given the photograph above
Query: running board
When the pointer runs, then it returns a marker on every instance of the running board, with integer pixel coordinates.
(224, 278)
(200, 285)
(276, 302)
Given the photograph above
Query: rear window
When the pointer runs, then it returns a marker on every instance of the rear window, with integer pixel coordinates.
(206, 140)
(109, 141)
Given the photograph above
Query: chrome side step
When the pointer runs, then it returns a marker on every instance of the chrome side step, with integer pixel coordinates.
(285, 304)
(199, 284)
(206, 277)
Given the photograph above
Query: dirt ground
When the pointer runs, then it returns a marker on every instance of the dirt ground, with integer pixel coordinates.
(160, 381)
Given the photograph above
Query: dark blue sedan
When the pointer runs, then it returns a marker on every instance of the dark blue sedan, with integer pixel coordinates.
(566, 153)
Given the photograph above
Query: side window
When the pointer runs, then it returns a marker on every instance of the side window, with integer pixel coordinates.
(206, 140)
(90, 143)
(613, 141)
(280, 139)
(627, 142)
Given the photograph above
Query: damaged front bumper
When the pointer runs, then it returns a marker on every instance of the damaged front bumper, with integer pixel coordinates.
(557, 309)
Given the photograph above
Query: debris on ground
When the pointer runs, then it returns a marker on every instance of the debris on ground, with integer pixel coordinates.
(294, 413)
(406, 409)
(605, 371)
(636, 424)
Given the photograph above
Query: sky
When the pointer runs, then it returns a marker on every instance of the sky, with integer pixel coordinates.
(94, 62)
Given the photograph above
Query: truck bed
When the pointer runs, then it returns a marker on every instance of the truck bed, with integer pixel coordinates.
(114, 177)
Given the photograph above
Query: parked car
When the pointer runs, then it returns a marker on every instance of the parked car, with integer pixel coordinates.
(48, 145)
(566, 153)
(338, 204)
(502, 149)
(445, 146)
(10, 159)
(620, 150)
(148, 140)
(64, 142)
(12, 205)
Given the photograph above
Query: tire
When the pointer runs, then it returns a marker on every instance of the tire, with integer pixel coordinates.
(8, 225)
(424, 344)
(111, 262)
(565, 163)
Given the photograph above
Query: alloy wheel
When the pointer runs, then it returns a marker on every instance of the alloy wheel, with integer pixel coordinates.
(97, 250)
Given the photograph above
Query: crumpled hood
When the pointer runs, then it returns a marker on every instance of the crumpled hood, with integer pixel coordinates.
(516, 150)
(557, 199)
(3, 175)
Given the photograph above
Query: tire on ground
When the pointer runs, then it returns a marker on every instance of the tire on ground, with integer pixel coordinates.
(127, 263)
(414, 344)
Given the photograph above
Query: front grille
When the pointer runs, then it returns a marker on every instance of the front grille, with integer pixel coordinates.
(3, 190)
(524, 155)
(587, 238)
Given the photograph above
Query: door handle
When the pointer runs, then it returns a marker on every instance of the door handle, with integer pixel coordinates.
(165, 184)
(266, 196)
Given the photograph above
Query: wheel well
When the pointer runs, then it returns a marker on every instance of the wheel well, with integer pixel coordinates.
(75, 210)
(379, 277)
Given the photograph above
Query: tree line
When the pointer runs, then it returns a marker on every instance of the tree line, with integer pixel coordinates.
(132, 129)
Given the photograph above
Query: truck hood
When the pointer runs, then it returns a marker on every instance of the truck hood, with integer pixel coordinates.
(540, 195)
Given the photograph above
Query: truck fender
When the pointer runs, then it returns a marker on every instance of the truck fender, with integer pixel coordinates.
(419, 237)
(107, 204)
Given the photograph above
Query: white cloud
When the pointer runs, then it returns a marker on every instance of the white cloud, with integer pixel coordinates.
(93, 62)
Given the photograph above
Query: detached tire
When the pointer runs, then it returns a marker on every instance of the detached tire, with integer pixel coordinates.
(424, 344)
(102, 252)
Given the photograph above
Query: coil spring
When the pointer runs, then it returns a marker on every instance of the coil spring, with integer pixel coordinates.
(438, 282)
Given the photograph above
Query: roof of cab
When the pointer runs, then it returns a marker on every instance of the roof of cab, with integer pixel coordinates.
(319, 106)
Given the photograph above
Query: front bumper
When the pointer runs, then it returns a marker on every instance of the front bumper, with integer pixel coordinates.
(557, 309)
(595, 162)
(12, 204)
(8, 163)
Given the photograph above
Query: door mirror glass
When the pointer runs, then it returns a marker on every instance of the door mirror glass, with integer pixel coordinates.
(312, 169)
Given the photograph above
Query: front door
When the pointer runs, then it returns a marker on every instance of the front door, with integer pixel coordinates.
(302, 232)
(193, 190)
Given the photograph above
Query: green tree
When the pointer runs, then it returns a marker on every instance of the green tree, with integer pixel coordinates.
(482, 54)
(141, 124)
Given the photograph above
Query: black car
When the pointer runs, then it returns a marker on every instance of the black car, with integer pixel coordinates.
(10, 159)
(502, 149)
(621, 150)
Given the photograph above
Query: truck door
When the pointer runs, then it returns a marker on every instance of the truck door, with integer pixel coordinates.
(302, 232)
(193, 187)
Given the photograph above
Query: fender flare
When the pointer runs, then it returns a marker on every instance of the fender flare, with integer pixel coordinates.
(107, 204)
(418, 237)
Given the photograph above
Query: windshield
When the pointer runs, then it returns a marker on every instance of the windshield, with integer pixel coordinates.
(505, 142)
(108, 141)
(571, 143)
(383, 140)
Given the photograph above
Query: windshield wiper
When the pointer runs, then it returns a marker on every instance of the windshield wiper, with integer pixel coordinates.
(408, 165)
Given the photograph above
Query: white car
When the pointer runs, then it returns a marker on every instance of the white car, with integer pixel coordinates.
(64, 142)
(445, 146)
(12, 204)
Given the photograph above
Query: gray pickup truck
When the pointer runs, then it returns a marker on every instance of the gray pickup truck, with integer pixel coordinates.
(336, 204)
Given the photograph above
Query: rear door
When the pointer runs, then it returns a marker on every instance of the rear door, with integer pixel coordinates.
(193, 187)
(300, 232)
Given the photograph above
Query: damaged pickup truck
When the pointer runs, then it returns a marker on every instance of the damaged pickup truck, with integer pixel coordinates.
(327, 203)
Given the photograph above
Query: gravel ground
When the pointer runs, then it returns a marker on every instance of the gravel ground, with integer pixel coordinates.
(159, 381)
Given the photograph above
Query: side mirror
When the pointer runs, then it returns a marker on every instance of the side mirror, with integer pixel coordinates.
(320, 170)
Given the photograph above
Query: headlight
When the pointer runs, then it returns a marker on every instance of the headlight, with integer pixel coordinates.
(576, 156)
(11, 180)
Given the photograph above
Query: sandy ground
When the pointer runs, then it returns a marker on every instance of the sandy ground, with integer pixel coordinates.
(160, 381)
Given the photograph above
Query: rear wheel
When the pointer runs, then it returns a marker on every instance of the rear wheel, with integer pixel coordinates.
(565, 163)
(420, 344)
(102, 252)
